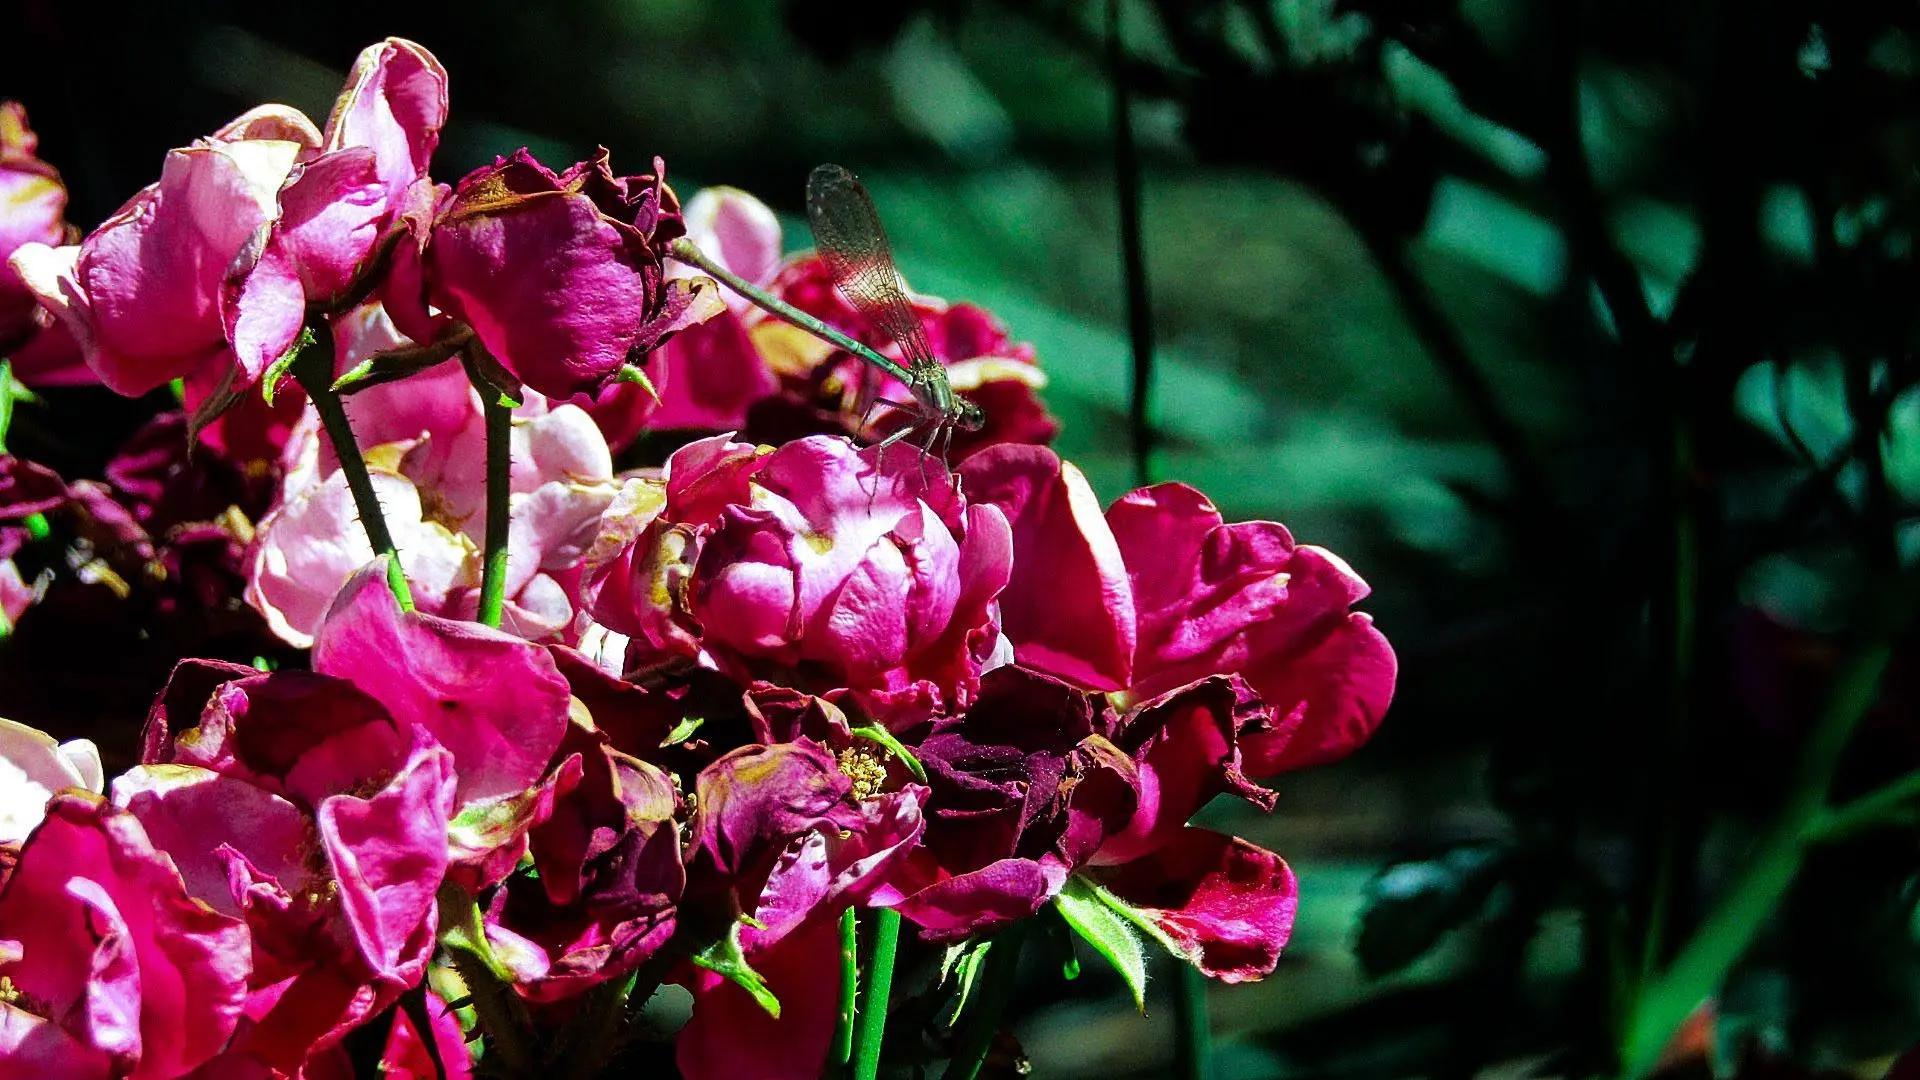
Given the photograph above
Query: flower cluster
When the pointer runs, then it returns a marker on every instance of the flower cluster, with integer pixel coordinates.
(536, 734)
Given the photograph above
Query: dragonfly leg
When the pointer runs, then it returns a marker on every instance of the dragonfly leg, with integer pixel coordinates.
(880, 455)
(867, 416)
(946, 447)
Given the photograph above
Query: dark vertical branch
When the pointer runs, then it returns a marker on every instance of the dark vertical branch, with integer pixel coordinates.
(1126, 169)
(1193, 1025)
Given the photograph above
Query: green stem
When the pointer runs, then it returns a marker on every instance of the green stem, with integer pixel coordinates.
(982, 1022)
(683, 250)
(849, 986)
(493, 581)
(1891, 803)
(314, 370)
(592, 1035)
(1719, 942)
(502, 1015)
(875, 997)
(1192, 1024)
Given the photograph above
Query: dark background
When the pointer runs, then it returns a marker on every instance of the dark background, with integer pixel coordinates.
(1584, 331)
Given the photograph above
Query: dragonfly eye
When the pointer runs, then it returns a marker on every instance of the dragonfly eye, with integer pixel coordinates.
(969, 416)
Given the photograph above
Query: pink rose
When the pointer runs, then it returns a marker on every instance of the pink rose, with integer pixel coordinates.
(33, 204)
(427, 452)
(208, 274)
(871, 576)
(560, 276)
(114, 969)
(299, 804)
(1160, 592)
(33, 767)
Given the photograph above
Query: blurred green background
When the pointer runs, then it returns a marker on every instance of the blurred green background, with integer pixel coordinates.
(1584, 331)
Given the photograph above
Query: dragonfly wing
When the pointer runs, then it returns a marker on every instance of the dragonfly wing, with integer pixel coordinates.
(848, 233)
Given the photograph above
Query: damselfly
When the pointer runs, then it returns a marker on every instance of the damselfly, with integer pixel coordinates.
(850, 239)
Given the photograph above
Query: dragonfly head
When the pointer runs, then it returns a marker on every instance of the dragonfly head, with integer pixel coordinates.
(967, 415)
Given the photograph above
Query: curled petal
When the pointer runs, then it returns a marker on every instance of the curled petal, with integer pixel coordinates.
(1222, 903)
(494, 700)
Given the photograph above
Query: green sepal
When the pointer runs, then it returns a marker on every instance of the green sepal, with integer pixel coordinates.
(489, 376)
(874, 733)
(630, 373)
(12, 392)
(222, 399)
(725, 959)
(1086, 908)
(395, 364)
(463, 929)
(280, 368)
(683, 730)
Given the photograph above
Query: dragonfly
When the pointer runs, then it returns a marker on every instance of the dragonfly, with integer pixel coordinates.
(850, 239)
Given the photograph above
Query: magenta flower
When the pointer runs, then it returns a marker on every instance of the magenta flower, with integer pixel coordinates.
(142, 293)
(495, 701)
(108, 966)
(406, 1056)
(337, 206)
(1041, 781)
(299, 804)
(33, 205)
(1160, 592)
(560, 276)
(208, 274)
(860, 574)
(33, 767)
(609, 871)
(710, 374)
(792, 841)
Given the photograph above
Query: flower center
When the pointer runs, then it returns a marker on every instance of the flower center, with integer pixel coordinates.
(20, 999)
(863, 766)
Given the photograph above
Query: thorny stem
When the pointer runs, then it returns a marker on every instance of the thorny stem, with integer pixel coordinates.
(982, 1021)
(1192, 1023)
(1448, 352)
(683, 250)
(499, 420)
(314, 371)
(874, 998)
(414, 1003)
(503, 1018)
(593, 1034)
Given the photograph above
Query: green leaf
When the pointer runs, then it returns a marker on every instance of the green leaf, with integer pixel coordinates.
(724, 958)
(1087, 909)
(962, 963)
(1412, 905)
(683, 730)
(876, 734)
